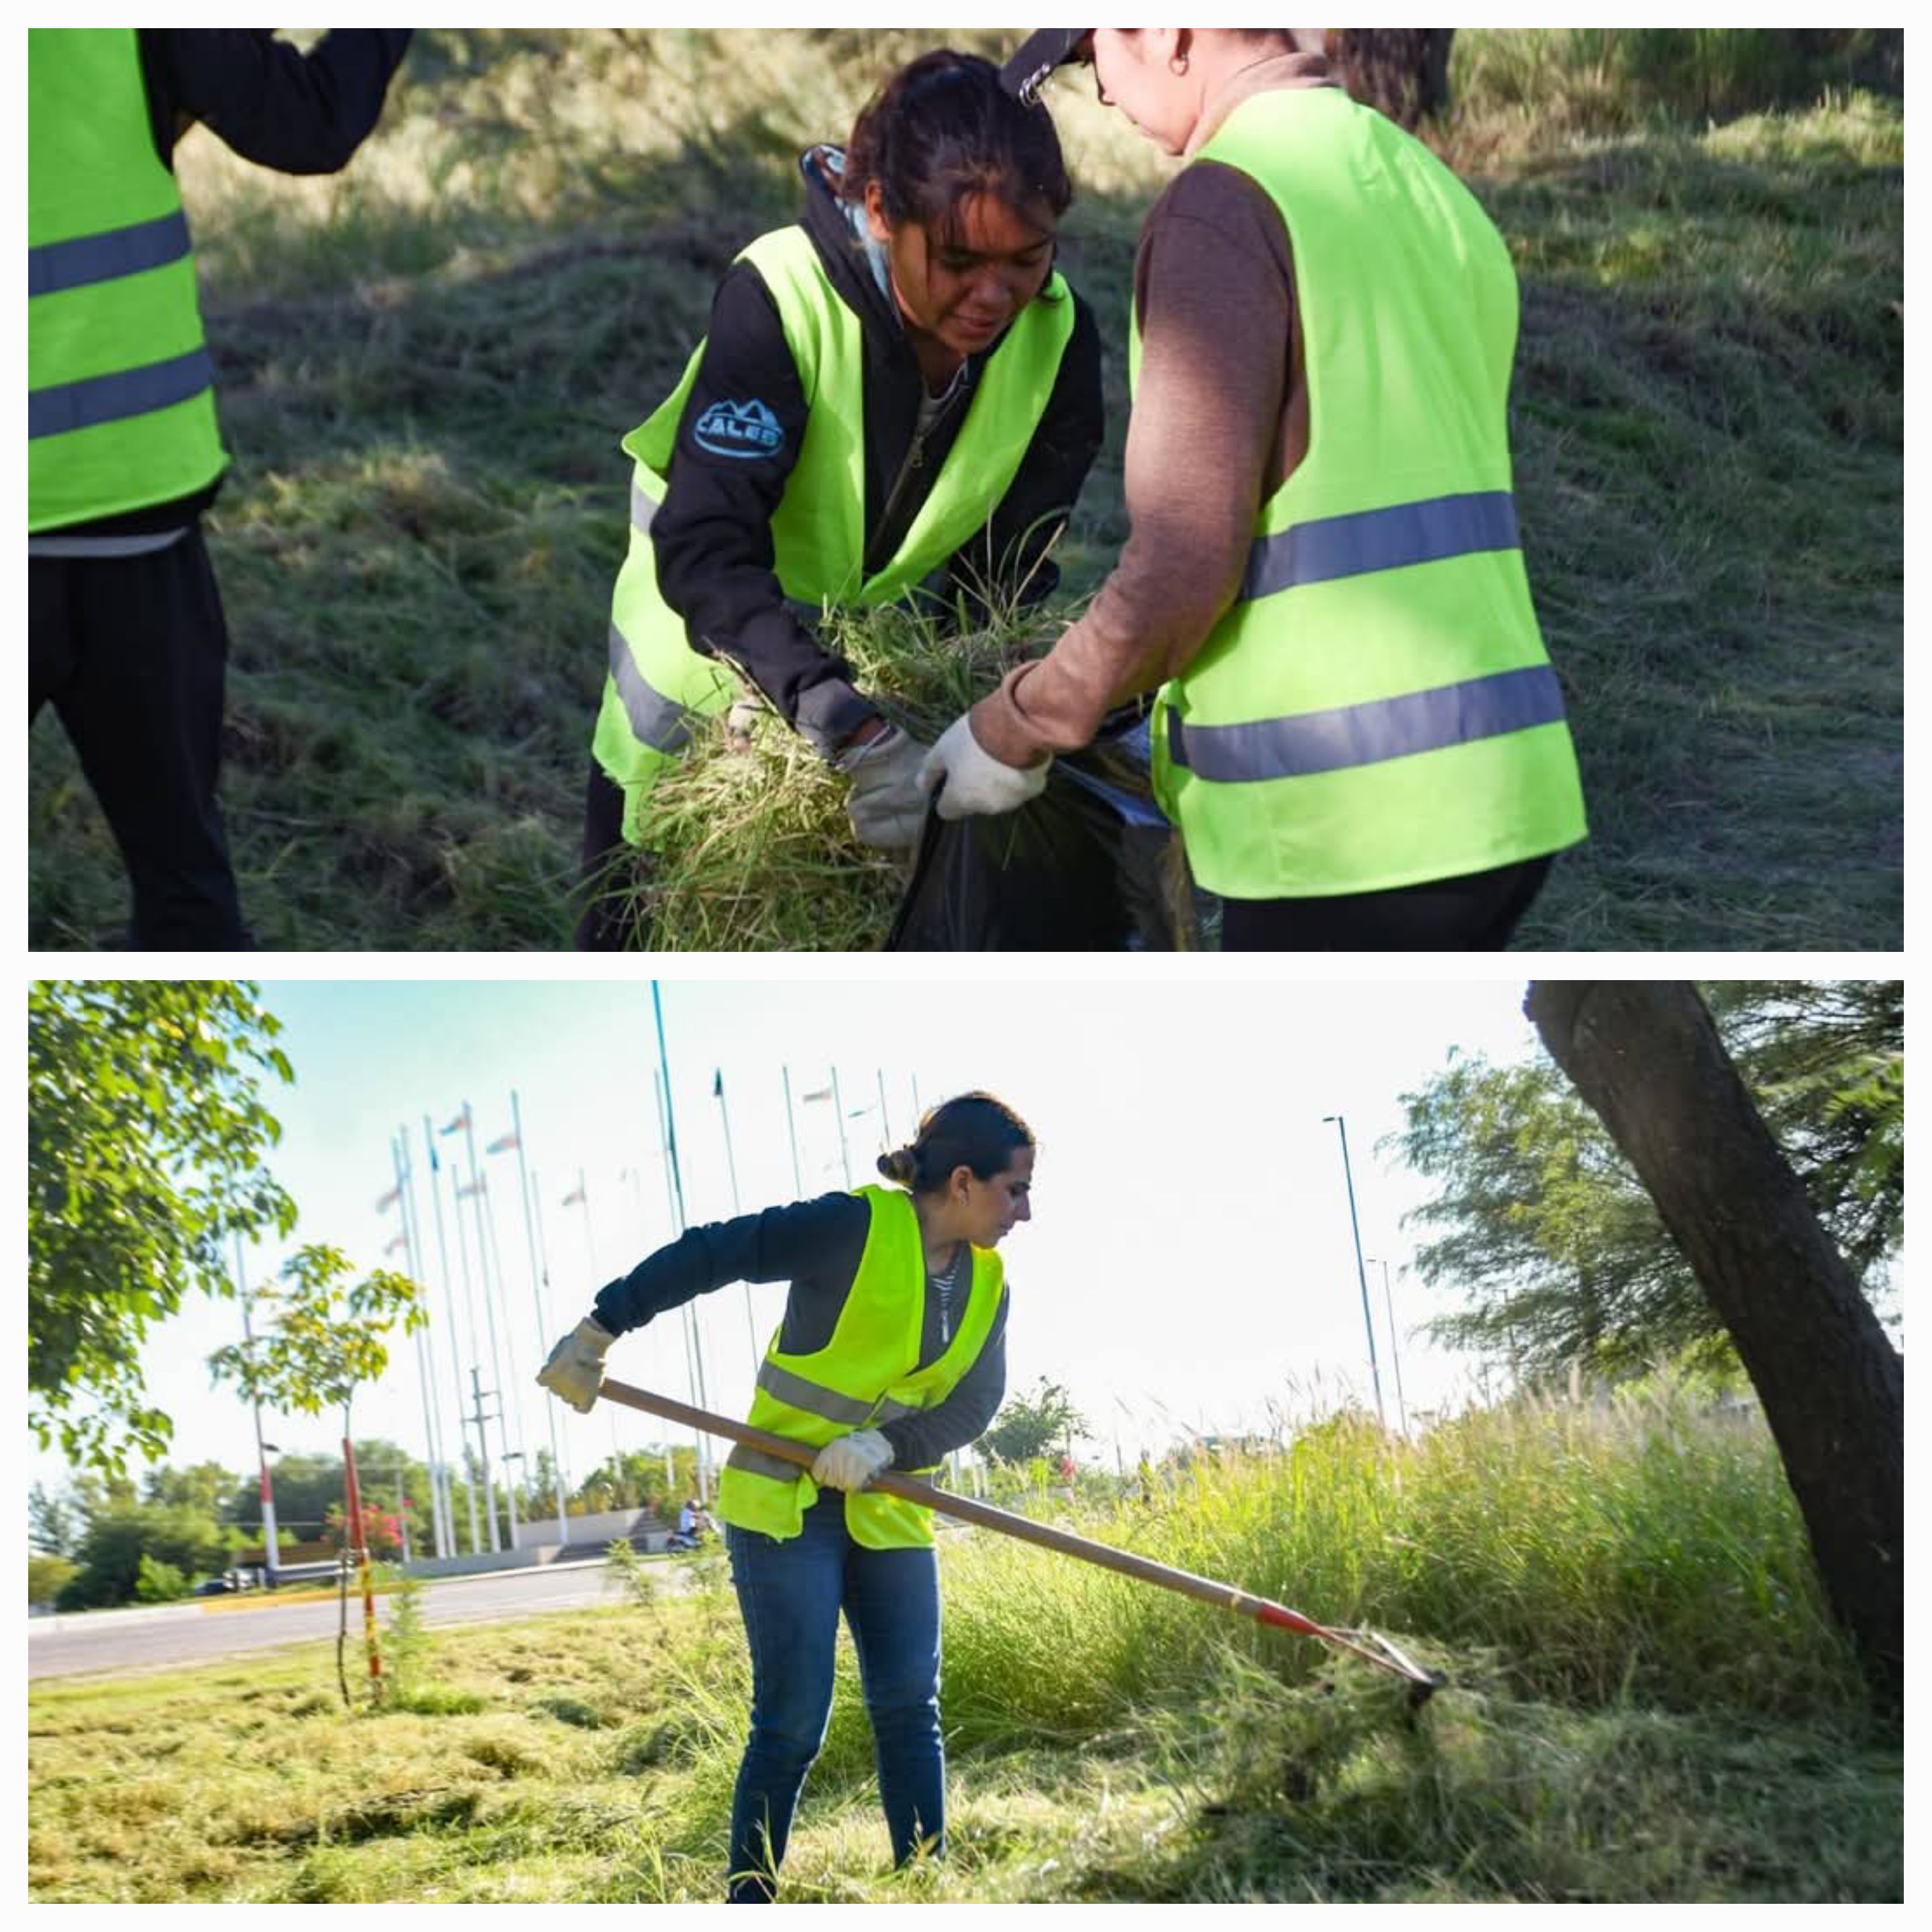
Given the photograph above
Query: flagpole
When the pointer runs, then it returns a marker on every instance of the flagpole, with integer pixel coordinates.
(490, 1317)
(476, 1348)
(513, 1407)
(442, 1524)
(581, 1199)
(694, 1374)
(455, 1341)
(644, 1242)
(844, 1153)
(677, 1191)
(399, 1159)
(538, 1283)
(731, 1169)
(791, 1131)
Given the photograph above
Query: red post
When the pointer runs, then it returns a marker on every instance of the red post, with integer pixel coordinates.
(362, 1564)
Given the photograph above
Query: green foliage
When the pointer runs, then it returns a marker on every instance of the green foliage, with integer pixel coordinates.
(405, 1645)
(1826, 1061)
(309, 1486)
(207, 1487)
(147, 1140)
(635, 1479)
(123, 1538)
(159, 1582)
(1540, 1223)
(47, 1577)
(628, 1572)
(1042, 1421)
(326, 1335)
(54, 1522)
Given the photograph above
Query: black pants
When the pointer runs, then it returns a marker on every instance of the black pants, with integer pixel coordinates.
(1474, 914)
(132, 652)
(606, 919)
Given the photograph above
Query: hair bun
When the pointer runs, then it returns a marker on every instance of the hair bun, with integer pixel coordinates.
(898, 1166)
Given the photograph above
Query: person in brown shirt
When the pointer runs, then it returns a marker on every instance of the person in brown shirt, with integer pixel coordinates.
(1209, 441)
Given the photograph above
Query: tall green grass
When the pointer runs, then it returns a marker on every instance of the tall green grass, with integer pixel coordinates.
(1646, 1702)
(426, 363)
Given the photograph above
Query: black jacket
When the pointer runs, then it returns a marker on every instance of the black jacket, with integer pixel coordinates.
(712, 538)
(298, 113)
(817, 1246)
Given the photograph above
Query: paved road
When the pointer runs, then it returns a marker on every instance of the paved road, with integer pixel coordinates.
(127, 1643)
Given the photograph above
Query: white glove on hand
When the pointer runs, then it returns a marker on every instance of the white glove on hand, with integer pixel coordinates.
(852, 1462)
(575, 1369)
(976, 783)
(886, 806)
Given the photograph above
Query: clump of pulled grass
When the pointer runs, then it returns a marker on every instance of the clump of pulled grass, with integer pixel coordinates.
(747, 846)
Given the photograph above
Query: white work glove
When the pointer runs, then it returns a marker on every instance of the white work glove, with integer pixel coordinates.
(575, 1369)
(976, 783)
(886, 806)
(852, 1462)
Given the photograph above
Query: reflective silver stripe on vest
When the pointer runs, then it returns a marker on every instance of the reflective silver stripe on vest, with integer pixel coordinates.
(1366, 734)
(64, 407)
(1370, 540)
(755, 1462)
(813, 1397)
(133, 546)
(58, 265)
(655, 720)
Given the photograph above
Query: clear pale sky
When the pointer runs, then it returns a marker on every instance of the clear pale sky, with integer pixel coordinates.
(1189, 1268)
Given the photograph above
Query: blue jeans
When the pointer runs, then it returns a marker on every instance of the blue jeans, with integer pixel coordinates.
(791, 1593)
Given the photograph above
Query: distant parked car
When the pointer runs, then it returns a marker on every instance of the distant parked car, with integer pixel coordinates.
(215, 1586)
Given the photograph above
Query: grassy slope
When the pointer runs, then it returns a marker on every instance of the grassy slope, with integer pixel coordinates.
(426, 363)
(1646, 1704)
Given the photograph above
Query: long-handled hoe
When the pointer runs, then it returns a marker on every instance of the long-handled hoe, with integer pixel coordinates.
(1370, 1648)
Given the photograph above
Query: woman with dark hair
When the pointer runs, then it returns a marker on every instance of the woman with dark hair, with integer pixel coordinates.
(892, 1353)
(898, 394)
(1357, 729)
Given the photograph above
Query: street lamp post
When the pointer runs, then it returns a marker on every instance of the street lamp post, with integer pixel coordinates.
(1395, 1353)
(1361, 1274)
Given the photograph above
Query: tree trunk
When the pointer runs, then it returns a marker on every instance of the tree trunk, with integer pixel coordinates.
(1646, 1057)
(1403, 71)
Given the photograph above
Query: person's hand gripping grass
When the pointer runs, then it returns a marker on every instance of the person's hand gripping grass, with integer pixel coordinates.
(971, 782)
(575, 1370)
(852, 1461)
(885, 804)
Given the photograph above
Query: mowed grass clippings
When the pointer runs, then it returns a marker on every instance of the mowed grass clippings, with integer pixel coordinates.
(426, 363)
(1646, 1703)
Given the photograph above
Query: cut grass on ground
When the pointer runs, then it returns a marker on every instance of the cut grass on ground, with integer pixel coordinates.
(1647, 1702)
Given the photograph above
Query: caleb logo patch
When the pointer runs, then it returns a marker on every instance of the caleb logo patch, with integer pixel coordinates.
(739, 429)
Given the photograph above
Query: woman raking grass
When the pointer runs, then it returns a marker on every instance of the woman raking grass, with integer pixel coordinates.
(892, 1353)
(899, 397)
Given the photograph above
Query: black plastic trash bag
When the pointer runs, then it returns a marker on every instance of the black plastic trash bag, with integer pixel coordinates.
(1084, 868)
